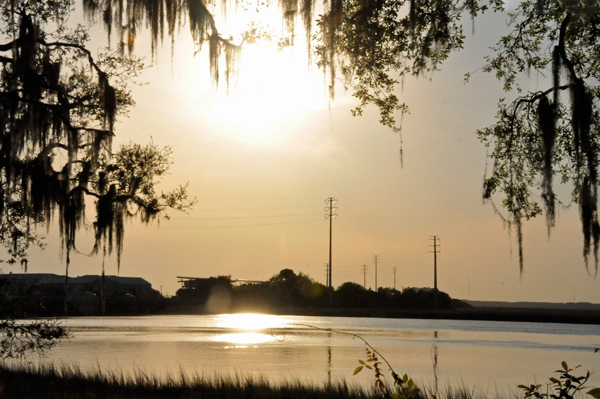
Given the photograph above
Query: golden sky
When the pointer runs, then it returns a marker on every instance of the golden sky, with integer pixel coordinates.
(262, 159)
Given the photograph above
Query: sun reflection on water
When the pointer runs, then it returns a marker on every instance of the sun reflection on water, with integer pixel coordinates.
(251, 326)
(249, 321)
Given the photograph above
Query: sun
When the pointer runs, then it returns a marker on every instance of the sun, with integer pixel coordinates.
(273, 90)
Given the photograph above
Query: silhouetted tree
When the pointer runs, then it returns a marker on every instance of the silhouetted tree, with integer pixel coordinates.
(296, 290)
(352, 295)
(58, 107)
(542, 133)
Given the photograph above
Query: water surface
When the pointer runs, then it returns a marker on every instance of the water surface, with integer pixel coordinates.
(495, 356)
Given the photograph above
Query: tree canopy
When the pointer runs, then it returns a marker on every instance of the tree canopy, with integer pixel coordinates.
(63, 95)
(58, 108)
(371, 46)
(554, 129)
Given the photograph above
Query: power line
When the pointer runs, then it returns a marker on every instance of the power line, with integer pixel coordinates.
(384, 223)
(388, 231)
(376, 232)
(252, 217)
(270, 208)
(239, 225)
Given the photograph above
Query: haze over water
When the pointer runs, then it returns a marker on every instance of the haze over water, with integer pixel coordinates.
(495, 356)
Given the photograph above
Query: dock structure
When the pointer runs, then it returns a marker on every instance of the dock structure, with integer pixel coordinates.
(191, 282)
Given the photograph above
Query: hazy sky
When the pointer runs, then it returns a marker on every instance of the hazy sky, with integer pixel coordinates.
(262, 159)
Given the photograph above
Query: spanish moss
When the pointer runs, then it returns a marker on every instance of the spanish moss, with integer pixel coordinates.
(58, 113)
(546, 120)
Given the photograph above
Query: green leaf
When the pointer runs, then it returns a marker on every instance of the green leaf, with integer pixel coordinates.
(410, 383)
(554, 380)
(357, 370)
(594, 392)
(360, 361)
(369, 367)
(564, 365)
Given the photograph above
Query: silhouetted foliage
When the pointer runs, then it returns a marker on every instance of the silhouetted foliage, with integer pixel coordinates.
(352, 295)
(288, 290)
(58, 107)
(21, 333)
(542, 133)
(284, 290)
(298, 290)
(371, 46)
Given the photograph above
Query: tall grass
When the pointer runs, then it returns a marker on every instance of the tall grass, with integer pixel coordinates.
(68, 381)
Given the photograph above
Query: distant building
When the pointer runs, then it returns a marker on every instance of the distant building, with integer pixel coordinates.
(45, 285)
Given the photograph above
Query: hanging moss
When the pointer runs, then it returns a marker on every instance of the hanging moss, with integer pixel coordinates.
(536, 137)
(56, 138)
(214, 54)
(308, 7)
(546, 120)
(232, 57)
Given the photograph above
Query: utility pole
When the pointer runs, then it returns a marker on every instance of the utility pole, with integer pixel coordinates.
(326, 274)
(435, 251)
(365, 276)
(394, 277)
(330, 215)
(376, 258)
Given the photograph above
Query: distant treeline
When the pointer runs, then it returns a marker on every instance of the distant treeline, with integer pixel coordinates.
(288, 290)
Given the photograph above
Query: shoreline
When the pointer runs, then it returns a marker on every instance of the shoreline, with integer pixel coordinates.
(164, 306)
(565, 316)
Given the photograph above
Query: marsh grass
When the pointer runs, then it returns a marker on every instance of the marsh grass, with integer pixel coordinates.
(68, 381)
(463, 391)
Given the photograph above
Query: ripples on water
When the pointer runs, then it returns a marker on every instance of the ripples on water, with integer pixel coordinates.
(491, 355)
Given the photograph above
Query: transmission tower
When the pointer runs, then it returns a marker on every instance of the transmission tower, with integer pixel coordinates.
(435, 251)
(376, 258)
(330, 215)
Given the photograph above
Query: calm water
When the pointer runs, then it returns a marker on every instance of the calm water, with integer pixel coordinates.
(492, 355)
